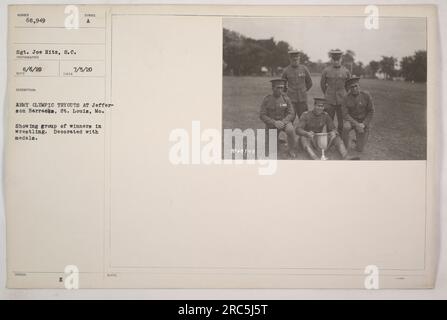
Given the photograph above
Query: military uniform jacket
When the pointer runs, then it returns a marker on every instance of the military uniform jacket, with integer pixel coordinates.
(333, 84)
(298, 82)
(358, 108)
(310, 121)
(274, 109)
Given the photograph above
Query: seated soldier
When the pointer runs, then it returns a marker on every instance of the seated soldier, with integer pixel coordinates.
(277, 113)
(358, 111)
(314, 121)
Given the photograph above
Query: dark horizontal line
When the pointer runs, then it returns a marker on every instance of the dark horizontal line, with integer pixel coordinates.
(257, 268)
(228, 274)
(61, 60)
(59, 76)
(255, 16)
(60, 43)
(34, 27)
(44, 272)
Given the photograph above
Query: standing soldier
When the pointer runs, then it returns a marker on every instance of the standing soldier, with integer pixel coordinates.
(298, 82)
(332, 84)
(277, 113)
(358, 111)
(314, 122)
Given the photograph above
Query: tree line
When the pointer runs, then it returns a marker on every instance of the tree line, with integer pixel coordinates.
(243, 56)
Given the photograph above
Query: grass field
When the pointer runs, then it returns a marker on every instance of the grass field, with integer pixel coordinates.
(398, 129)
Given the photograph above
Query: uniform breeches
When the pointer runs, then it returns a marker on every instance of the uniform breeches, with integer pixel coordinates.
(309, 146)
(290, 132)
(361, 137)
(300, 107)
(335, 109)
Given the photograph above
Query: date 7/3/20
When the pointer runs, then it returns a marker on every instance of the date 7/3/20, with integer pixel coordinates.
(226, 309)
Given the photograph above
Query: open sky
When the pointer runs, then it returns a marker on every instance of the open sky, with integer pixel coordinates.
(315, 36)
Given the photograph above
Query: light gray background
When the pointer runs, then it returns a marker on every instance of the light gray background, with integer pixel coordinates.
(440, 292)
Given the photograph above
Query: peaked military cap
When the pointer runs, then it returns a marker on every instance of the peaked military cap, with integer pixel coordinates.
(319, 101)
(278, 81)
(351, 81)
(335, 52)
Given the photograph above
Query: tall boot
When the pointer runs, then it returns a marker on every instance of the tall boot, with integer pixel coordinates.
(341, 148)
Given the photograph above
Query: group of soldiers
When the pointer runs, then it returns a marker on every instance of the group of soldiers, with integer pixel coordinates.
(286, 108)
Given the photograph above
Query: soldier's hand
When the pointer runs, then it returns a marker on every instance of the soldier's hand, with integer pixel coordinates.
(279, 124)
(310, 134)
(360, 127)
(332, 134)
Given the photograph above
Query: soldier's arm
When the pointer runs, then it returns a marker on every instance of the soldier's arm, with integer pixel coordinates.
(301, 125)
(348, 74)
(323, 82)
(330, 126)
(370, 108)
(308, 79)
(345, 113)
(284, 76)
(290, 112)
(263, 114)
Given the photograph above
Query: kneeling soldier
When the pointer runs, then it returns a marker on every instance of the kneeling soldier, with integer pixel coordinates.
(277, 113)
(358, 111)
(313, 122)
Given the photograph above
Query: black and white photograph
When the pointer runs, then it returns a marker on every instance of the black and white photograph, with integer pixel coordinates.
(149, 152)
(327, 88)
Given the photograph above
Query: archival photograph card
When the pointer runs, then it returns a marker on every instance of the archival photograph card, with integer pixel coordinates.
(221, 146)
